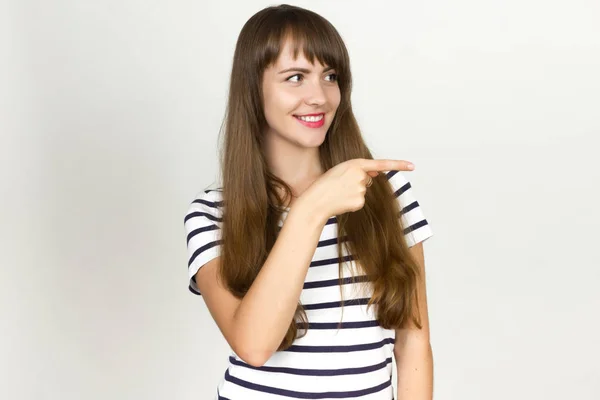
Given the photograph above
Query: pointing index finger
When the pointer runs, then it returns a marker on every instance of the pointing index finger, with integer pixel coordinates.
(386, 165)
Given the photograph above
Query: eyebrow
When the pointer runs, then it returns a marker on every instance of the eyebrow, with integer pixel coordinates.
(303, 70)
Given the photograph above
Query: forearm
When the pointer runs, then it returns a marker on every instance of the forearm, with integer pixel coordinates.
(414, 361)
(264, 315)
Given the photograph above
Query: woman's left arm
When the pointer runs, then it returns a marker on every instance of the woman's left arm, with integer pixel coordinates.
(412, 348)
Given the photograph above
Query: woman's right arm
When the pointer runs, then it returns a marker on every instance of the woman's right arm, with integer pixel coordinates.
(255, 326)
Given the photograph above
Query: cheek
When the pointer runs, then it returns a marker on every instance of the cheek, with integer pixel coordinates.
(280, 104)
(278, 110)
(270, 106)
(335, 98)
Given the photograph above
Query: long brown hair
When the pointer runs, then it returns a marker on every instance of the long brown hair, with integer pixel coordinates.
(252, 202)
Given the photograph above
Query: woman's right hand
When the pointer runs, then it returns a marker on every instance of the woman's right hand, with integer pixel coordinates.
(342, 188)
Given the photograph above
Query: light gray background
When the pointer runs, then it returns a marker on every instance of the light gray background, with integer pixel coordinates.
(109, 116)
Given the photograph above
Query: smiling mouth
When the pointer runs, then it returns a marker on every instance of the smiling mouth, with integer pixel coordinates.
(311, 118)
(314, 121)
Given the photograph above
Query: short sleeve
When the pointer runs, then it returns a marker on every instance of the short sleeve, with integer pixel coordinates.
(203, 229)
(416, 226)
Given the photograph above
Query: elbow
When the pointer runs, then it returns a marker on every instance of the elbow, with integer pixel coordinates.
(250, 348)
(251, 353)
(254, 358)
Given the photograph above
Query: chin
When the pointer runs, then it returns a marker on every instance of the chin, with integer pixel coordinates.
(308, 140)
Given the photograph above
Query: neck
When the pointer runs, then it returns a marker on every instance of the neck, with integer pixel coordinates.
(297, 166)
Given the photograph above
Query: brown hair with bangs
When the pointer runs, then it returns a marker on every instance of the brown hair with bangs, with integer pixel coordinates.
(251, 193)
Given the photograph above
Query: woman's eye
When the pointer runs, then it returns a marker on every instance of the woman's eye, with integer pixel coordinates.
(332, 78)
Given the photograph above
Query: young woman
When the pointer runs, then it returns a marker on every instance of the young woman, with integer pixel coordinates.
(309, 256)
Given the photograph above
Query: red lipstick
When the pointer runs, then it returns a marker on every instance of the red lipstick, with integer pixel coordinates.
(312, 124)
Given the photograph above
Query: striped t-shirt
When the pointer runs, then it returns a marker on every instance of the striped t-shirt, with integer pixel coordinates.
(332, 361)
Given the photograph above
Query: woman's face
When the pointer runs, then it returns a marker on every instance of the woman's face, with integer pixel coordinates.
(300, 99)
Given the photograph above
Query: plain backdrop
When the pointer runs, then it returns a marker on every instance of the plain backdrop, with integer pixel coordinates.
(109, 119)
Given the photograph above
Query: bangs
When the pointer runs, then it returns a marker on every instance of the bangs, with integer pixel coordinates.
(309, 34)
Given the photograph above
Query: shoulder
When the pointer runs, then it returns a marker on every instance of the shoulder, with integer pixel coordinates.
(398, 181)
(207, 203)
(416, 226)
(212, 198)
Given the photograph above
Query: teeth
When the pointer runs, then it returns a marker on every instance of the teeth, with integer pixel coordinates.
(311, 119)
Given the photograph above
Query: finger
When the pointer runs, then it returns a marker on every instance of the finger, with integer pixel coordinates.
(386, 165)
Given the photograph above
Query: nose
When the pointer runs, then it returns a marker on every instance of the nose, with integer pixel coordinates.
(315, 95)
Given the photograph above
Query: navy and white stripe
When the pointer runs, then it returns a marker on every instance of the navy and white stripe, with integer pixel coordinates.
(345, 353)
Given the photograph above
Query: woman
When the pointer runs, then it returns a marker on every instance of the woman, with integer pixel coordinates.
(309, 257)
